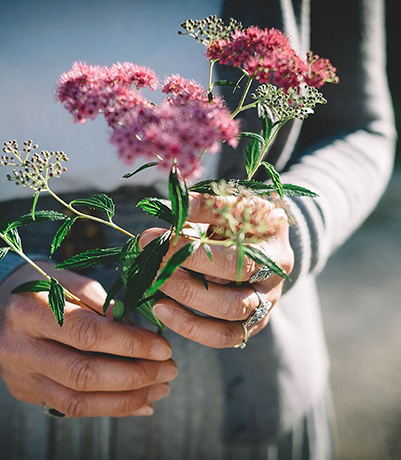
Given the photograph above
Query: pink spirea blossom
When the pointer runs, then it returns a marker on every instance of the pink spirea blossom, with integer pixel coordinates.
(267, 56)
(320, 71)
(87, 90)
(179, 129)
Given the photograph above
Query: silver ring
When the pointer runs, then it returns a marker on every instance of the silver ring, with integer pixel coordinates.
(53, 412)
(242, 345)
(260, 312)
(262, 275)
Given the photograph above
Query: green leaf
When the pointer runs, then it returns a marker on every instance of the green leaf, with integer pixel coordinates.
(118, 310)
(274, 176)
(99, 201)
(112, 292)
(251, 153)
(34, 203)
(91, 258)
(146, 310)
(10, 235)
(178, 192)
(57, 300)
(251, 135)
(208, 251)
(262, 259)
(295, 190)
(173, 263)
(259, 188)
(33, 286)
(62, 233)
(267, 128)
(38, 216)
(3, 252)
(130, 250)
(161, 209)
(224, 83)
(147, 165)
(144, 269)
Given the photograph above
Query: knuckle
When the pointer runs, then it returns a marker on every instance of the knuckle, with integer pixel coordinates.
(76, 405)
(82, 375)
(85, 332)
(188, 327)
(185, 292)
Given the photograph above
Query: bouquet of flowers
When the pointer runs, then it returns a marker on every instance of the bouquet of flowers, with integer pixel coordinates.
(173, 136)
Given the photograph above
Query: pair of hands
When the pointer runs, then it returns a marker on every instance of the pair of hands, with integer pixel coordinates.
(93, 366)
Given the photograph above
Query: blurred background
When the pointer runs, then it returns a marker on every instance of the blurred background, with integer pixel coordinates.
(361, 297)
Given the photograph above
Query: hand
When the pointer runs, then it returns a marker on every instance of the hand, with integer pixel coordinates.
(225, 303)
(85, 368)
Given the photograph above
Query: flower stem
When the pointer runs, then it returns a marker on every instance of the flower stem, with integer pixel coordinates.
(240, 107)
(87, 216)
(67, 293)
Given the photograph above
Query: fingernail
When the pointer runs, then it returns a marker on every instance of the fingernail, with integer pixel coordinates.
(160, 352)
(167, 373)
(163, 312)
(145, 410)
(159, 391)
(145, 238)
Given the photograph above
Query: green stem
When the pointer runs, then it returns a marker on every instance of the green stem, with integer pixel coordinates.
(242, 100)
(87, 216)
(265, 148)
(68, 294)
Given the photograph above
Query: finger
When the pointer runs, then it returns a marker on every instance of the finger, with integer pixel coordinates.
(84, 372)
(97, 404)
(227, 302)
(86, 331)
(211, 332)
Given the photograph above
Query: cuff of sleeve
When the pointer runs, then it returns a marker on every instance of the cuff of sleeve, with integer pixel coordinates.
(13, 261)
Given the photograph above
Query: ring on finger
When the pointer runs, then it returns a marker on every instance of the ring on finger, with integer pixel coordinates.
(257, 315)
(262, 275)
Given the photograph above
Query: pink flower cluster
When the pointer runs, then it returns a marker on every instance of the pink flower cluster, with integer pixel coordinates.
(267, 56)
(179, 129)
(88, 90)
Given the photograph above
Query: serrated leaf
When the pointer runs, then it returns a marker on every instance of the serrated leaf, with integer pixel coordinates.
(99, 201)
(262, 259)
(32, 286)
(34, 203)
(144, 269)
(161, 209)
(130, 250)
(274, 176)
(173, 263)
(259, 188)
(145, 166)
(3, 252)
(251, 135)
(91, 258)
(112, 292)
(62, 233)
(179, 198)
(296, 190)
(118, 310)
(11, 235)
(57, 300)
(39, 216)
(251, 154)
